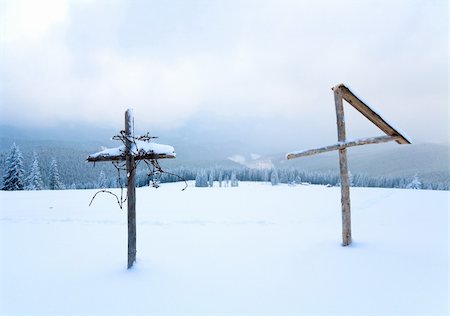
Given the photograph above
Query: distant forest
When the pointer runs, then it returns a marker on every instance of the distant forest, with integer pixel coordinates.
(65, 168)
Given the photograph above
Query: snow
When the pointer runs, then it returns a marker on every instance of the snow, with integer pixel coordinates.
(138, 148)
(117, 151)
(256, 248)
(130, 116)
(254, 162)
(143, 148)
(240, 159)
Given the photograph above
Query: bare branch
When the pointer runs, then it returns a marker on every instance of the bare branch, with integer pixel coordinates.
(151, 160)
(120, 202)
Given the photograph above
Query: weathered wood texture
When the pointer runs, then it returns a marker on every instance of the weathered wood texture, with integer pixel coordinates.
(125, 153)
(345, 183)
(370, 114)
(358, 142)
(341, 92)
(131, 187)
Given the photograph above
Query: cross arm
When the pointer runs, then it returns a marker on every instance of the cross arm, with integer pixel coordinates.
(139, 149)
(341, 145)
(122, 157)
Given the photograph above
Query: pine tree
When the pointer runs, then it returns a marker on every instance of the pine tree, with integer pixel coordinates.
(402, 184)
(265, 176)
(102, 180)
(34, 180)
(55, 183)
(220, 179)
(227, 182)
(201, 180)
(13, 174)
(234, 181)
(415, 184)
(274, 179)
(211, 179)
(351, 181)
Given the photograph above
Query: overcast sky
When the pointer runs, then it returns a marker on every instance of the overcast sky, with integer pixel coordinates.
(87, 61)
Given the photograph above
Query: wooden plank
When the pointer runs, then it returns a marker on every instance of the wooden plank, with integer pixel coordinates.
(358, 142)
(123, 157)
(131, 187)
(345, 182)
(370, 114)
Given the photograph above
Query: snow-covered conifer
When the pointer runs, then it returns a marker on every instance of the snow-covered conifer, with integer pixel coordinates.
(34, 180)
(102, 182)
(211, 178)
(226, 182)
(13, 174)
(274, 179)
(55, 182)
(351, 179)
(415, 183)
(233, 180)
(220, 179)
(201, 180)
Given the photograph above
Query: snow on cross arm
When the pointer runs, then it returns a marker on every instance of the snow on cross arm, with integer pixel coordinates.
(145, 148)
(139, 149)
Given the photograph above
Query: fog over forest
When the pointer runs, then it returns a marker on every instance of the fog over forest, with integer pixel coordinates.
(248, 157)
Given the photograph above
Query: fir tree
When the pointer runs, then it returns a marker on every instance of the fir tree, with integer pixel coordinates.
(211, 179)
(233, 181)
(13, 174)
(102, 180)
(227, 182)
(55, 183)
(351, 181)
(274, 179)
(415, 184)
(201, 180)
(34, 180)
(220, 179)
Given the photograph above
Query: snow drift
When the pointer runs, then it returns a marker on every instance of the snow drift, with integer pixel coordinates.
(257, 248)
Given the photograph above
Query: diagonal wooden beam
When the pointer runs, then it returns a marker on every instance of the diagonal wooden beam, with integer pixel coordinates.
(371, 115)
(358, 142)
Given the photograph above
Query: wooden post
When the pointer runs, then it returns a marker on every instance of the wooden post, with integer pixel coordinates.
(341, 92)
(131, 187)
(345, 183)
(134, 151)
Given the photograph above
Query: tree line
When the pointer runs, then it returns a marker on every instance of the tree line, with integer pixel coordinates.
(32, 176)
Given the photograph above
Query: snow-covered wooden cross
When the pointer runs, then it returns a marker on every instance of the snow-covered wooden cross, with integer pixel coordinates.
(392, 134)
(132, 150)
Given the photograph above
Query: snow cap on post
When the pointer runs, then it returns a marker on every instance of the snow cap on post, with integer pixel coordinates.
(129, 115)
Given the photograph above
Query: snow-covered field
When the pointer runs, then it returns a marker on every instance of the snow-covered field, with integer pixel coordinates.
(255, 249)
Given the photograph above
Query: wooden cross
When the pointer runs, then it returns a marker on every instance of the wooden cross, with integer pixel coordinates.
(132, 151)
(392, 134)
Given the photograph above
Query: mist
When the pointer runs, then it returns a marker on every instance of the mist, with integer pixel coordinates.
(243, 71)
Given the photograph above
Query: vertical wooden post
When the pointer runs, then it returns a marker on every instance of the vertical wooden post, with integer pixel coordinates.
(345, 183)
(131, 187)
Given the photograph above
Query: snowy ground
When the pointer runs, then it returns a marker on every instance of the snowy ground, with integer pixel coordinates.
(225, 251)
